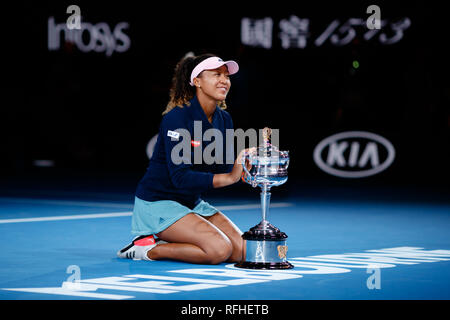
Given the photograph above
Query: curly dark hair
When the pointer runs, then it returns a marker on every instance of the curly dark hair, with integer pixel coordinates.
(181, 91)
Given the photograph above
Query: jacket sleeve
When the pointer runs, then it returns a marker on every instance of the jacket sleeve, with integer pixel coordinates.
(177, 147)
(228, 156)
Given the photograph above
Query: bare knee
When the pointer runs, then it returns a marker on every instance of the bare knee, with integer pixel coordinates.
(219, 251)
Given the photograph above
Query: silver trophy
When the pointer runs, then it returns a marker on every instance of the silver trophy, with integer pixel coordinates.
(266, 246)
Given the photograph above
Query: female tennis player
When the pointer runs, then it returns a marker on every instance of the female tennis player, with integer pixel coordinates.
(168, 200)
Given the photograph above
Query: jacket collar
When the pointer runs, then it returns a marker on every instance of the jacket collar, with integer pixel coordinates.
(199, 114)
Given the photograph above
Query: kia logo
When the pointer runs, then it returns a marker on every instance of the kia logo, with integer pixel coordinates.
(354, 154)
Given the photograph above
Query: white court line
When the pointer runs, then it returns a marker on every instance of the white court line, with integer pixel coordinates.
(129, 213)
(66, 292)
(71, 217)
(68, 202)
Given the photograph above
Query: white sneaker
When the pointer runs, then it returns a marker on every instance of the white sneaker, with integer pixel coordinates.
(138, 248)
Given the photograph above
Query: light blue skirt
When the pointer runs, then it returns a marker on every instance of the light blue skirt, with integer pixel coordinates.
(152, 217)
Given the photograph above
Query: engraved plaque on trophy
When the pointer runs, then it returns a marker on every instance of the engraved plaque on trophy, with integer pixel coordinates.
(266, 246)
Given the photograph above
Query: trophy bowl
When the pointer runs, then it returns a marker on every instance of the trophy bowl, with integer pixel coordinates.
(268, 167)
(265, 245)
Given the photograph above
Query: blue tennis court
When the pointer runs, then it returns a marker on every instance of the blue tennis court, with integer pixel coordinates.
(344, 245)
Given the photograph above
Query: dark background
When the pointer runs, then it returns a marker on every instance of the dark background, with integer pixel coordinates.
(93, 114)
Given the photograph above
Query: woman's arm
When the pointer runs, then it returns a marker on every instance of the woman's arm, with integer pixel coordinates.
(180, 171)
(225, 179)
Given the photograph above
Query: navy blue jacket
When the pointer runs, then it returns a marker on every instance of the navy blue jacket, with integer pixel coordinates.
(184, 182)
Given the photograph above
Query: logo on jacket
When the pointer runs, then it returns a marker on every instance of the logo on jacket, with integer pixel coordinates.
(195, 143)
(173, 134)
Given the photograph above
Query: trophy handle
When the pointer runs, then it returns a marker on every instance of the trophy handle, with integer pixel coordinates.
(250, 179)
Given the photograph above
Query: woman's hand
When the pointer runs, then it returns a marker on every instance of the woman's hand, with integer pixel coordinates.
(242, 154)
(244, 174)
(225, 179)
(238, 164)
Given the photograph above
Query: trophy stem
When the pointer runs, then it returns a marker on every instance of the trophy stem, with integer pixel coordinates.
(265, 203)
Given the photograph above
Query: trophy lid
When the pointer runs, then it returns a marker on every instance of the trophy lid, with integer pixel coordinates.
(267, 153)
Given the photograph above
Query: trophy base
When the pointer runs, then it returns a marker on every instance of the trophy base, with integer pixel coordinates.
(264, 265)
(265, 248)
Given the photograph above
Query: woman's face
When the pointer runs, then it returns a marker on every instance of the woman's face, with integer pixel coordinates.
(214, 83)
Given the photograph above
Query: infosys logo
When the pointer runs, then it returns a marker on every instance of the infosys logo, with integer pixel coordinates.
(354, 154)
(97, 37)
